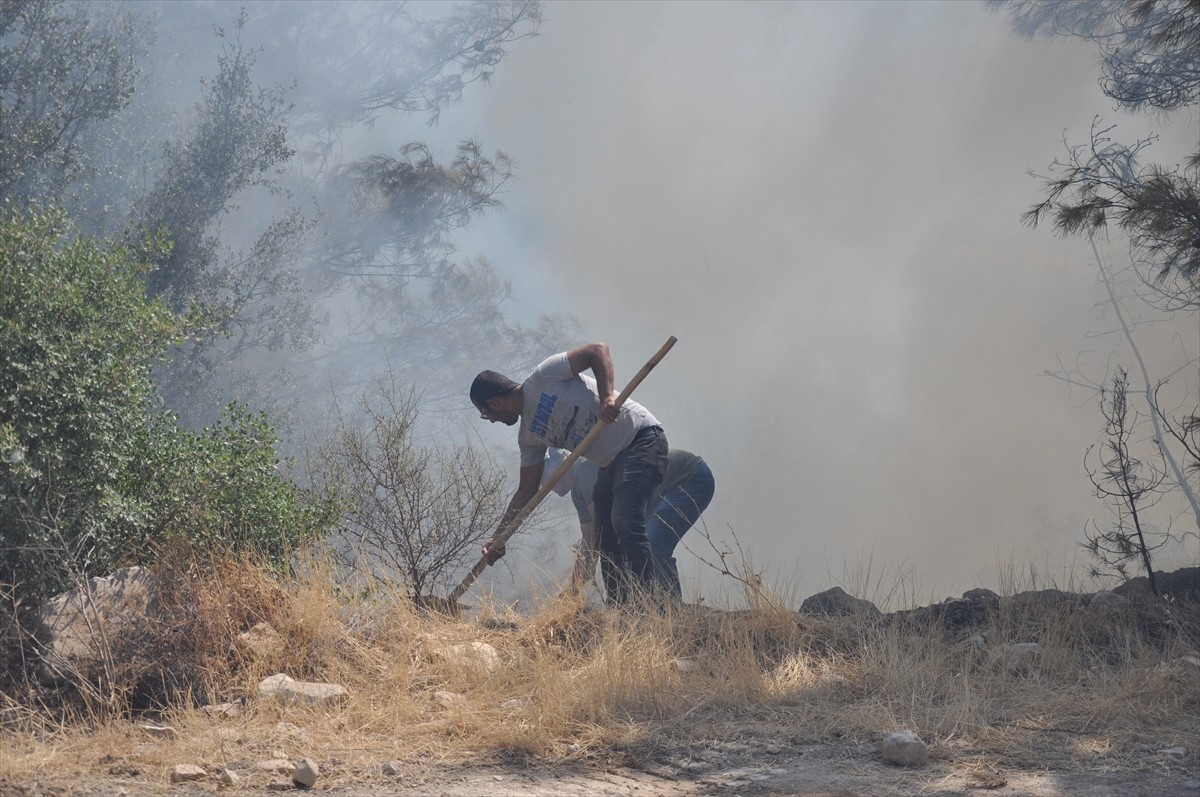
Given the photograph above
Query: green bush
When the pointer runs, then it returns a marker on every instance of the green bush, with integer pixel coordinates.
(91, 475)
(221, 488)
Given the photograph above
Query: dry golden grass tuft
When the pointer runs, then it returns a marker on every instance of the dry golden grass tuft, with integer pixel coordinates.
(573, 680)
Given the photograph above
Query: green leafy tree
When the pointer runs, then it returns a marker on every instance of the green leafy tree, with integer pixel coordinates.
(241, 169)
(254, 300)
(240, 135)
(381, 242)
(92, 476)
(388, 242)
(222, 488)
(1157, 208)
(393, 218)
(77, 340)
(60, 72)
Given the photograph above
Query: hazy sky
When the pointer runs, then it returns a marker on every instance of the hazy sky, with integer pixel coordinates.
(821, 201)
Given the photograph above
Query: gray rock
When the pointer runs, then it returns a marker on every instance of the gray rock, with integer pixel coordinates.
(279, 766)
(306, 773)
(836, 602)
(393, 769)
(449, 699)
(182, 773)
(261, 641)
(160, 731)
(230, 710)
(75, 626)
(982, 595)
(905, 749)
(1042, 598)
(290, 729)
(476, 654)
(227, 777)
(1107, 599)
(286, 690)
(1017, 658)
(1182, 584)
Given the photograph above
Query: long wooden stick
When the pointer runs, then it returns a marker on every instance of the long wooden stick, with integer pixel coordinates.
(510, 528)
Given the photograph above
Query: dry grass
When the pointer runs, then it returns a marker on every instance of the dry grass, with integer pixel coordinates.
(575, 681)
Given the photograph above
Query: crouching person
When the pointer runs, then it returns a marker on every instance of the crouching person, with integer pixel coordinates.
(556, 406)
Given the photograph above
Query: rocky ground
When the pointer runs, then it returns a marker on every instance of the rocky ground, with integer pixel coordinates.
(756, 767)
(761, 752)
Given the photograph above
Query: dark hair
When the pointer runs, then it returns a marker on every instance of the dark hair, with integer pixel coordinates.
(490, 384)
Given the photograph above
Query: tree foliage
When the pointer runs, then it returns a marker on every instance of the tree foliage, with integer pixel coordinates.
(92, 475)
(388, 241)
(354, 63)
(1149, 63)
(394, 217)
(59, 73)
(77, 342)
(1148, 47)
(258, 237)
(1158, 208)
(239, 136)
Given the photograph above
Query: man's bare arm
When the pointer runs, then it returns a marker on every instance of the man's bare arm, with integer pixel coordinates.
(596, 358)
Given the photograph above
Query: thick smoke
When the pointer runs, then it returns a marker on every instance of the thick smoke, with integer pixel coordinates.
(822, 201)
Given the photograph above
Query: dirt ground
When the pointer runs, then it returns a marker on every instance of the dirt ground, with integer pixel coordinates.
(733, 749)
(812, 771)
(757, 767)
(818, 770)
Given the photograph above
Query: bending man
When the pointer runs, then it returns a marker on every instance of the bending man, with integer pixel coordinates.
(677, 503)
(556, 407)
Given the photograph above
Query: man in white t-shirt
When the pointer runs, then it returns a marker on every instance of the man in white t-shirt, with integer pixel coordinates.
(556, 407)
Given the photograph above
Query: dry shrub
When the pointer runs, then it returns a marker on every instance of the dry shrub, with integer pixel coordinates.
(629, 675)
(13, 666)
(566, 627)
(185, 644)
(1111, 674)
(318, 644)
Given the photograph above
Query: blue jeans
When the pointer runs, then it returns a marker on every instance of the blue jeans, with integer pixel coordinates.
(675, 512)
(621, 499)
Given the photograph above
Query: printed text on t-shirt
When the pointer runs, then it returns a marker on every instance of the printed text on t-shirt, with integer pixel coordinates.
(541, 416)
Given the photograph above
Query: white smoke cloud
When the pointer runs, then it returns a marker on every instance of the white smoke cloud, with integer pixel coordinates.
(821, 201)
